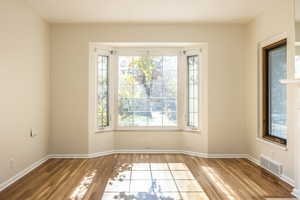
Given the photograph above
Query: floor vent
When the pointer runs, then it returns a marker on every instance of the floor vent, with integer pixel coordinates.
(271, 165)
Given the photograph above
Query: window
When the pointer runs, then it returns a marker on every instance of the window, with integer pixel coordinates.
(147, 91)
(193, 91)
(102, 92)
(146, 88)
(275, 93)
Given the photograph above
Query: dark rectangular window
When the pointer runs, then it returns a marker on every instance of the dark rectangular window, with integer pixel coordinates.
(275, 93)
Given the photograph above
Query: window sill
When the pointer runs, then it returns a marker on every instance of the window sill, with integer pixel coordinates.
(290, 81)
(196, 131)
(136, 129)
(274, 144)
(103, 130)
(139, 130)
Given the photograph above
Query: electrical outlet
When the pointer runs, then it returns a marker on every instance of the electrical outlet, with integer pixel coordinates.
(33, 133)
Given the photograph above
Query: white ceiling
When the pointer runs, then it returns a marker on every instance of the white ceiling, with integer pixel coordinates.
(149, 11)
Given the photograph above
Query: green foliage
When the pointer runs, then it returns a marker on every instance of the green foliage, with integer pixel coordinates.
(142, 84)
(102, 115)
(146, 73)
(146, 66)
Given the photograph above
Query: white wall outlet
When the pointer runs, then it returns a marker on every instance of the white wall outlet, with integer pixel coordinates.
(33, 133)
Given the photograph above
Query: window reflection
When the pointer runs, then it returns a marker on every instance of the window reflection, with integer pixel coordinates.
(83, 187)
(225, 188)
(153, 181)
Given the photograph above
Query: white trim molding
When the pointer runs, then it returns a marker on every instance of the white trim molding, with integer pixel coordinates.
(227, 156)
(147, 151)
(287, 179)
(273, 144)
(296, 193)
(99, 154)
(69, 156)
(22, 173)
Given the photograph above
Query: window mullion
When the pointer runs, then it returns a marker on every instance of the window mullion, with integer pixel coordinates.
(113, 88)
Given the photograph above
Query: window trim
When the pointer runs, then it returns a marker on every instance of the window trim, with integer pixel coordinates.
(93, 89)
(113, 47)
(188, 53)
(265, 92)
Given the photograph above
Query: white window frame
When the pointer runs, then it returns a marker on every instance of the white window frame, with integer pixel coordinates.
(93, 87)
(193, 52)
(162, 49)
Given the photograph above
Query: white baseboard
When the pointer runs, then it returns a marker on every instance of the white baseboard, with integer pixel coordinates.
(296, 193)
(139, 151)
(147, 151)
(227, 156)
(254, 160)
(99, 154)
(287, 179)
(69, 155)
(197, 154)
(22, 173)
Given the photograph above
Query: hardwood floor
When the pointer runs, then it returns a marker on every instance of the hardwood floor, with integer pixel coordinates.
(147, 177)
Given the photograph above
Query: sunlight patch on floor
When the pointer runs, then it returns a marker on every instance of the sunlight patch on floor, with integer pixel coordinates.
(280, 199)
(83, 187)
(153, 181)
(225, 188)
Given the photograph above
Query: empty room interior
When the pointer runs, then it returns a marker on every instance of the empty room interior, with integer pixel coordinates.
(150, 99)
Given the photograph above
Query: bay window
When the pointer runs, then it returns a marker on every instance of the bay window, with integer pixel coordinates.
(146, 88)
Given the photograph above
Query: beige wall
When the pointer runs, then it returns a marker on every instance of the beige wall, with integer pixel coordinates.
(24, 86)
(297, 126)
(70, 56)
(278, 19)
(297, 31)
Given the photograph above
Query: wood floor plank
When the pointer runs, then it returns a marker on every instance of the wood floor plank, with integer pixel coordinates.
(86, 179)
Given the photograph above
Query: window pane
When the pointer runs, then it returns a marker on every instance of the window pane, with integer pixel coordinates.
(277, 92)
(193, 88)
(102, 91)
(169, 118)
(145, 82)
